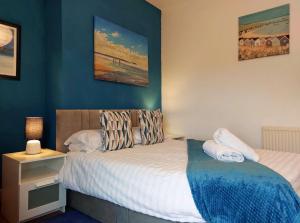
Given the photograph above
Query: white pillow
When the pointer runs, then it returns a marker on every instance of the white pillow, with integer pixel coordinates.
(137, 138)
(86, 139)
(79, 148)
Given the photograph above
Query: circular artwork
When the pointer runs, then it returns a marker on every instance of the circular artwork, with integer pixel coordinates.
(6, 36)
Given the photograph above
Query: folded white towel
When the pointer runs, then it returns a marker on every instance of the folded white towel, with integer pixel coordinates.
(226, 138)
(222, 153)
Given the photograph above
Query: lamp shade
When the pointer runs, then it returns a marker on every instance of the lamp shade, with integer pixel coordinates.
(34, 128)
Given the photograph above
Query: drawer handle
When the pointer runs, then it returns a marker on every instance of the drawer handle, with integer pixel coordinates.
(45, 183)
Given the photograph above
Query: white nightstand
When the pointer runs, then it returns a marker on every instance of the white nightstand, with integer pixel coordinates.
(30, 186)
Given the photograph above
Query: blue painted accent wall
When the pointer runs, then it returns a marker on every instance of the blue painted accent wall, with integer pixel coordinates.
(74, 84)
(26, 97)
(77, 26)
(53, 47)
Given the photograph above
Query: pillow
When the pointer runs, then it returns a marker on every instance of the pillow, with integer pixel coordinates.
(151, 124)
(117, 129)
(137, 135)
(79, 147)
(91, 139)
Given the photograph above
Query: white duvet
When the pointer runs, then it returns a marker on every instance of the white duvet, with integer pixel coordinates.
(152, 179)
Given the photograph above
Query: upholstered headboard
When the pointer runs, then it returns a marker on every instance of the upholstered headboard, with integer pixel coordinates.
(71, 121)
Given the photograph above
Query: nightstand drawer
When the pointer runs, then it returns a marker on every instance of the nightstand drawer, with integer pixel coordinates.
(41, 197)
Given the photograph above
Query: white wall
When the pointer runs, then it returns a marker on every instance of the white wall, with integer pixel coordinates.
(204, 84)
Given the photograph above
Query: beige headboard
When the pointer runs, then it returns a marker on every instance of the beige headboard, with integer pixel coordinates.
(71, 121)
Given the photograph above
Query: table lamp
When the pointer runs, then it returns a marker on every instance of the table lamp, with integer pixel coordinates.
(34, 132)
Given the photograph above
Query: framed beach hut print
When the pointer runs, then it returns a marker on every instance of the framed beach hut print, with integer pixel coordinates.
(10, 35)
(120, 55)
(265, 33)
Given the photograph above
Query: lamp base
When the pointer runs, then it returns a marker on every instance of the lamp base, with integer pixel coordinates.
(33, 147)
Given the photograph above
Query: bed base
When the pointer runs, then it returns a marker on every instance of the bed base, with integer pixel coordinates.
(107, 212)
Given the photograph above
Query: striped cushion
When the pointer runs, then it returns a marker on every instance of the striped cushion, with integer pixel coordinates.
(117, 128)
(151, 124)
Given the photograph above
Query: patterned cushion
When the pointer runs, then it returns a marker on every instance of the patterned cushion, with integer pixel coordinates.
(117, 130)
(151, 124)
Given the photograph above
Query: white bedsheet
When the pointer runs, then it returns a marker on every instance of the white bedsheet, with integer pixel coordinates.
(286, 164)
(152, 179)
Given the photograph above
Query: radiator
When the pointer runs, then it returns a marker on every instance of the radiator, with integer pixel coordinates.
(286, 139)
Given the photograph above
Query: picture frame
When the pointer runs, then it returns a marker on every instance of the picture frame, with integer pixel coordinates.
(10, 50)
(265, 33)
(120, 55)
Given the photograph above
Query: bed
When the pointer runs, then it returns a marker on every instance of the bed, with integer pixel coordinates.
(143, 184)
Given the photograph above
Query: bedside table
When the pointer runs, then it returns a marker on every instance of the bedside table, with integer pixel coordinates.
(30, 186)
(181, 138)
(175, 137)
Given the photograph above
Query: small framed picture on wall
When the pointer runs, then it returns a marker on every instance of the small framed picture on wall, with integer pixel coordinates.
(10, 36)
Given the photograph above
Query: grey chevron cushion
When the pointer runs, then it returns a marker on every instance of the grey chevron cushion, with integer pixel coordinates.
(151, 124)
(117, 128)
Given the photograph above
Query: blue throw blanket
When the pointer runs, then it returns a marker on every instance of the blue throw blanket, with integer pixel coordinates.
(245, 192)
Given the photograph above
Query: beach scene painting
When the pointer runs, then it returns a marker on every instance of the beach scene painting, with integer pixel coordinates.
(119, 54)
(9, 38)
(265, 33)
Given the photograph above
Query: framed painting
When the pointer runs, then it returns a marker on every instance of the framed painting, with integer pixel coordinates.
(119, 54)
(10, 35)
(265, 33)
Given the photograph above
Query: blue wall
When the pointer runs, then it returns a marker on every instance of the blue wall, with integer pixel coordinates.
(74, 84)
(57, 62)
(82, 91)
(26, 97)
